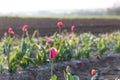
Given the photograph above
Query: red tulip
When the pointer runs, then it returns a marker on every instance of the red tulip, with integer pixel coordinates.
(53, 53)
(25, 28)
(10, 31)
(93, 72)
(49, 41)
(60, 24)
(72, 28)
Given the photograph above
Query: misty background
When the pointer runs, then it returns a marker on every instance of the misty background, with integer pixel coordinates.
(59, 8)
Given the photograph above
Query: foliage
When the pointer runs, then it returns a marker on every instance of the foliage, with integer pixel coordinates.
(34, 50)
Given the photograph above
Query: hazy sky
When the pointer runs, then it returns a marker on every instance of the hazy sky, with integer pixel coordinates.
(33, 5)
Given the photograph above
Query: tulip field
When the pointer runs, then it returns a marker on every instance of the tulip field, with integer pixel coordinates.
(32, 50)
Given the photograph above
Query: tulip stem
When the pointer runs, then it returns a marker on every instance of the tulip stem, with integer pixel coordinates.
(59, 30)
(51, 68)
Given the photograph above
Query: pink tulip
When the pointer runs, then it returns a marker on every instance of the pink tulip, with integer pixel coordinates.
(49, 41)
(72, 28)
(60, 24)
(53, 53)
(60, 36)
(70, 36)
(10, 31)
(25, 28)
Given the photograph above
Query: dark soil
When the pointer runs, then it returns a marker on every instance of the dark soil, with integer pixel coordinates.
(47, 26)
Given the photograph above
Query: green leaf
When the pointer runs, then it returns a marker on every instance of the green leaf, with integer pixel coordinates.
(33, 36)
(54, 77)
(1, 68)
(12, 57)
(76, 77)
(29, 59)
(24, 63)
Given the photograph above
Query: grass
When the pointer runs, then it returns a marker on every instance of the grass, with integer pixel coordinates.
(67, 17)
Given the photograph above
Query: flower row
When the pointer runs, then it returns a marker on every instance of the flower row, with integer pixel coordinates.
(34, 50)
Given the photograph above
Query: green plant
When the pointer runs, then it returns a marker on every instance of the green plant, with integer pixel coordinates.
(83, 51)
(7, 50)
(69, 76)
(54, 77)
(102, 46)
(117, 46)
(1, 63)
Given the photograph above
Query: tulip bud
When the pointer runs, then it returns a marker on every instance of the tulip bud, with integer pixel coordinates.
(25, 28)
(53, 53)
(60, 24)
(10, 31)
(70, 36)
(49, 41)
(72, 28)
(93, 72)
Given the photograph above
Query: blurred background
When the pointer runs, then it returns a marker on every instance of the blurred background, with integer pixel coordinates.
(59, 7)
(95, 16)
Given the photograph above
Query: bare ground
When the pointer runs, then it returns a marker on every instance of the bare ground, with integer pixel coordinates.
(47, 26)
